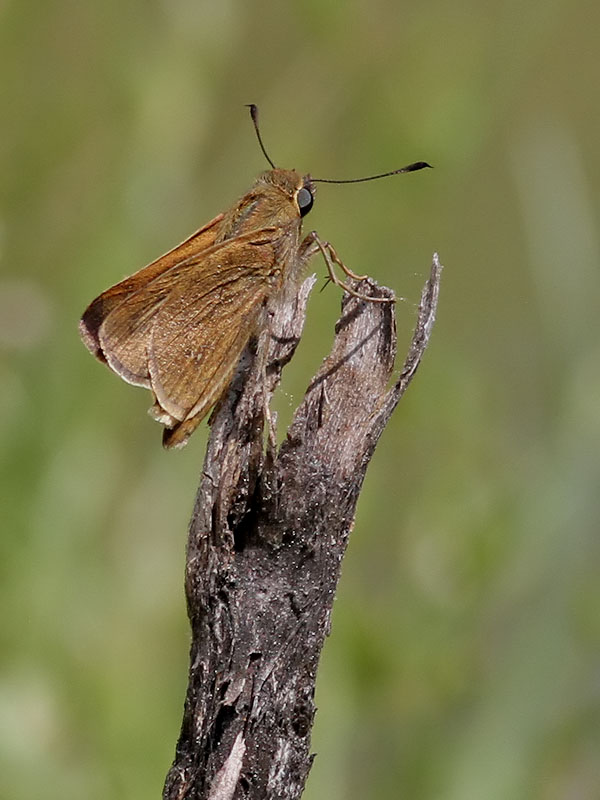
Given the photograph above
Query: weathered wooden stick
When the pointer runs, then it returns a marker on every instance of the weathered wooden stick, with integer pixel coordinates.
(266, 542)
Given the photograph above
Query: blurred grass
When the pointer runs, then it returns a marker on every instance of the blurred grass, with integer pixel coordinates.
(464, 656)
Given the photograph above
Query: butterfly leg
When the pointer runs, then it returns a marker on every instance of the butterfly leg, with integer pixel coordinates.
(313, 244)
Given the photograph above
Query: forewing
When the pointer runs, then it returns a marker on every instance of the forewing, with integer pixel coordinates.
(125, 335)
(100, 308)
(202, 327)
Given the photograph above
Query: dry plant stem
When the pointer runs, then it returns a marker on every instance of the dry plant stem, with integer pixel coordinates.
(266, 542)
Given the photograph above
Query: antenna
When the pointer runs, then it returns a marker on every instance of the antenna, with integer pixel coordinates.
(254, 114)
(409, 168)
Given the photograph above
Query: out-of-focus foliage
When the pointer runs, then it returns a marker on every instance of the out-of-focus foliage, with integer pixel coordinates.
(463, 662)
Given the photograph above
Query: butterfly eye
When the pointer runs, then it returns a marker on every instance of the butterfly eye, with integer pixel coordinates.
(304, 199)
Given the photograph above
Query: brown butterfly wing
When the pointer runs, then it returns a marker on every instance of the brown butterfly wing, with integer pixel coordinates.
(202, 328)
(99, 309)
(125, 334)
(182, 334)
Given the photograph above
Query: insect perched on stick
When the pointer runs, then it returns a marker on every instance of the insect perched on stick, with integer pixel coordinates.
(179, 325)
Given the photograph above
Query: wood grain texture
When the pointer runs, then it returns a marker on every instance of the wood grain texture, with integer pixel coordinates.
(266, 542)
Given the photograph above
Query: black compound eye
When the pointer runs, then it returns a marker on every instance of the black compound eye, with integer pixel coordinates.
(304, 199)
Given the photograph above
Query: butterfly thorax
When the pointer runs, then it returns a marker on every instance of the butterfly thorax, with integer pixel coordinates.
(271, 202)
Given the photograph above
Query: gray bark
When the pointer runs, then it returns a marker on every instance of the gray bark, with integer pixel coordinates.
(266, 542)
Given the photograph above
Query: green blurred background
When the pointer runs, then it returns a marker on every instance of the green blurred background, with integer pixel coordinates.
(464, 658)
